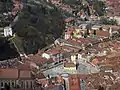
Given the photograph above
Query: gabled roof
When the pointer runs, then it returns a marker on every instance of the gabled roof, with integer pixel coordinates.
(10, 73)
(37, 59)
(25, 66)
(102, 33)
(25, 74)
(69, 65)
(13, 73)
(69, 19)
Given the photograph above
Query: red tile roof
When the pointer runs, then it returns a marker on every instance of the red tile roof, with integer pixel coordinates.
(74, 42)
(98, 59)
(102, 33)
(37, 59)
(56, 50)
(86, 40)
(53, 51)
(25, 66)
(69, 65)
(9, 73)
(69, 19)
(25, 74)
(70, 30)
(12, 73)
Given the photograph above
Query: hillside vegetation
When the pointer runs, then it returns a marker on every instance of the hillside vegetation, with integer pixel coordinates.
(38, 25)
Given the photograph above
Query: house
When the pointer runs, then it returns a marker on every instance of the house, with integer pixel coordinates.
(17, 7)
(70, 68)
(59, 52)
(69, 20)
(68, 33)
(55, 54)
(96, 27)
(73, 57)
(55, 87)
(8, 31)
(106, 68)
(15, 77)
(77, 33)
(101, 33)
(83, 26)
(95, 80)
(113, 9)
(97, 60)
(37, 59)
(77, 82)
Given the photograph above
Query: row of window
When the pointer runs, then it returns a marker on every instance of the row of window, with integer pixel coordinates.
(17, 84)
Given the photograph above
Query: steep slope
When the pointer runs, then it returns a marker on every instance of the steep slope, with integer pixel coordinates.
(38, 25)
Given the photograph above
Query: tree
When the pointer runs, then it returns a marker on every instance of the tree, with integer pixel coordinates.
(69, 1)
(98, 6)
(38, 25)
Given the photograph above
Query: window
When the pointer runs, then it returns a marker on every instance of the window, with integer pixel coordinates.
(31, 84)
(9, 83)
(22, 84)
(112, 12)
(2, 84)
(13, 84)
(27, 86)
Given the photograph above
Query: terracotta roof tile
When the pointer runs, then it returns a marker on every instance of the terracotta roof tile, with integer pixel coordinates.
(25, 66)
(74, 42)
(102, 78)
(69, 65)
(53, 51)
(56, 50)
(25, 74)
(9, 73)
(69, 19)
(37, 59)
(69, 31)
(102, 33)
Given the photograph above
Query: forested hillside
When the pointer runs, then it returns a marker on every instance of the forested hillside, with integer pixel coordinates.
(39, 24)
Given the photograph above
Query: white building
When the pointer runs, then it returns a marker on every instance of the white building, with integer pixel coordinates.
(7, 31)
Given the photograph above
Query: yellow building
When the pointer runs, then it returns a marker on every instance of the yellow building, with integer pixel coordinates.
(70, 67)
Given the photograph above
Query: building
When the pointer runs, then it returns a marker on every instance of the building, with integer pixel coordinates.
(15, 77)
(114, 9)
(76, 82)
(70, 68)
(69, 21)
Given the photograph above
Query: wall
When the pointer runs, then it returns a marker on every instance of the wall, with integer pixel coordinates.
(25, 84)
(74, 83)
(118, 19)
